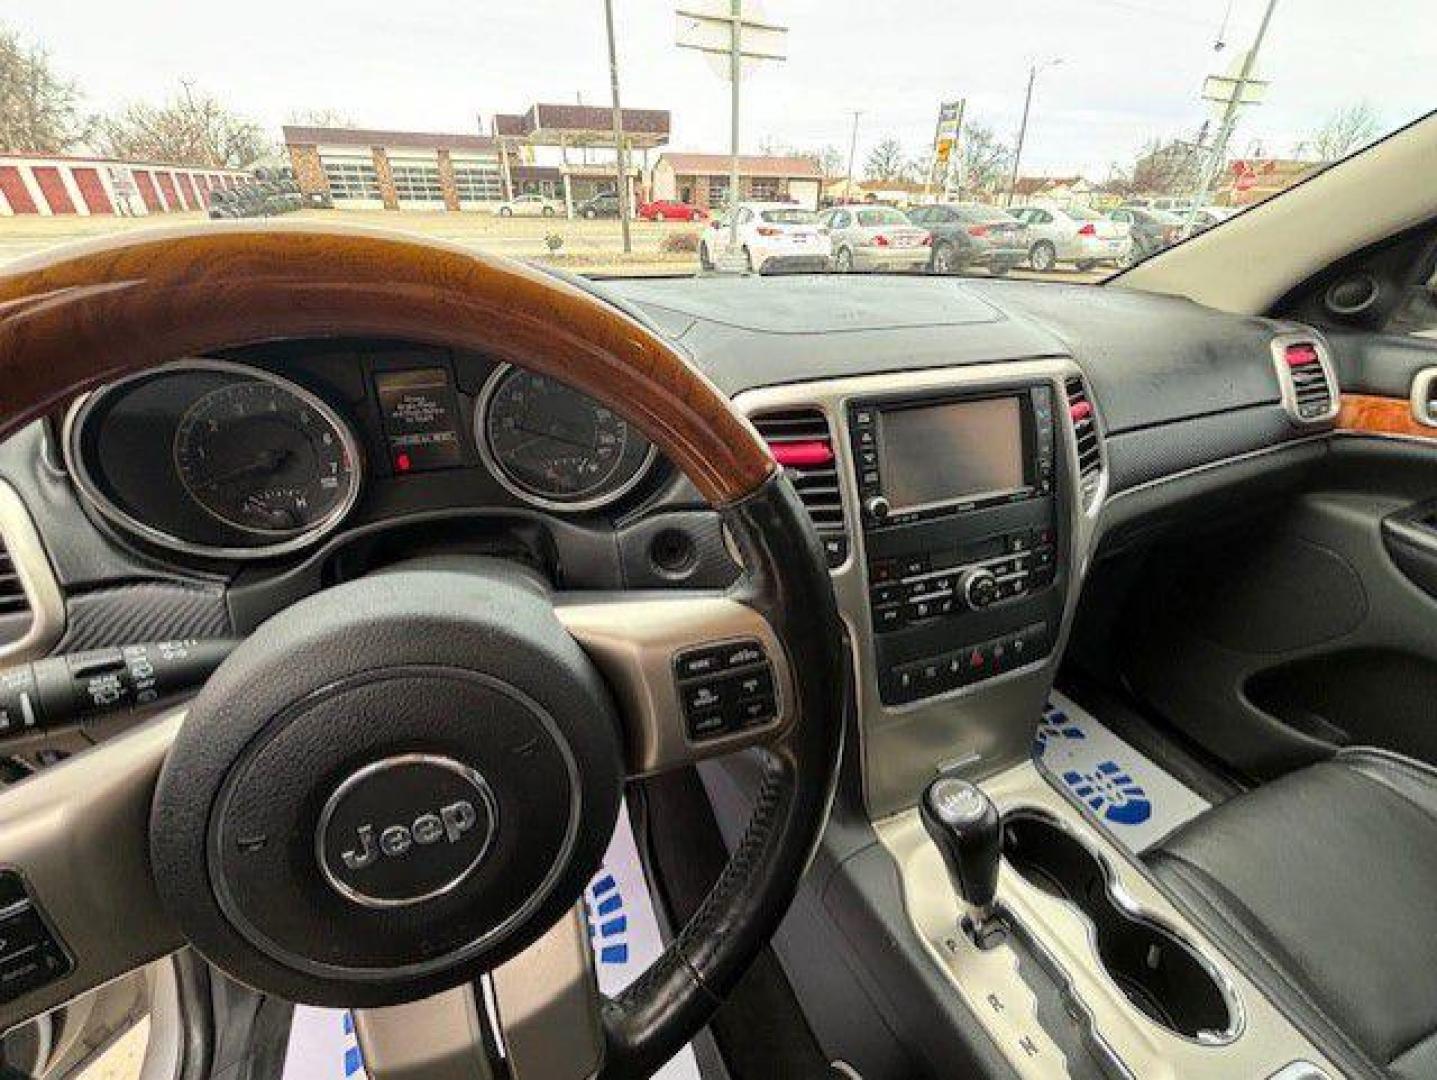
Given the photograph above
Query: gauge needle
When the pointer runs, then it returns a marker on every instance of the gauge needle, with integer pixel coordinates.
(555, 436)
(268, 461)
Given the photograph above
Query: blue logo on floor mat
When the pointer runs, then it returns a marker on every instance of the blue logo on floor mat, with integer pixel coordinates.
(608, 925)
(353, 1061)
(1112, 793)
(1055, 725)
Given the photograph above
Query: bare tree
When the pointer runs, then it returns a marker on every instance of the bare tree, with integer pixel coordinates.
(983, 159)
(1348, 129)
(886, 161)
(39, 111)
(829, 159)
(192, 128)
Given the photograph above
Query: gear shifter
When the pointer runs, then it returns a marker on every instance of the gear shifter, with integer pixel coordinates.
(963, 823)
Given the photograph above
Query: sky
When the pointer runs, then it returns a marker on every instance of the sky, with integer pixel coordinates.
(1130, 71)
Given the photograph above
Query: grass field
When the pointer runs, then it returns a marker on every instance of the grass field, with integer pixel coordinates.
(587, 246)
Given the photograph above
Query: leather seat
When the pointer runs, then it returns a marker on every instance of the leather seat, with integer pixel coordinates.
(1322, 885)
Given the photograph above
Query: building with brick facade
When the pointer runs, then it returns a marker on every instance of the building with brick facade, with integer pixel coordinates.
(703, 179)
(408, 170)
(45, 186)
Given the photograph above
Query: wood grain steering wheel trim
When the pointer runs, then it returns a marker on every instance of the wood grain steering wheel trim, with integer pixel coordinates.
(82, 315)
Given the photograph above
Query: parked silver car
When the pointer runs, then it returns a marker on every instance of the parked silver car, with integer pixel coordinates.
(1072, 234)
(874, 238)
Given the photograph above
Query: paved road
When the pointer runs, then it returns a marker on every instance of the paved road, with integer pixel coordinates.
(593, 246)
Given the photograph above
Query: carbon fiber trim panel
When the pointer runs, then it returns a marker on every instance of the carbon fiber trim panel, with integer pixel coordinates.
(144, 611)
(1137, 457)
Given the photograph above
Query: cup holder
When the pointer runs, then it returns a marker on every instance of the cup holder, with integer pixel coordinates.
(1159, 972)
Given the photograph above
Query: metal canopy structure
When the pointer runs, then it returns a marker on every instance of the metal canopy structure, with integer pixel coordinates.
(582, 126)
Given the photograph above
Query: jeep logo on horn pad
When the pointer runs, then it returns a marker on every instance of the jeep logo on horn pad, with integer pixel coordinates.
(405, 829)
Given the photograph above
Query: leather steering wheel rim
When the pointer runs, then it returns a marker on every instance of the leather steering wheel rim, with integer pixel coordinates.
(78, 317)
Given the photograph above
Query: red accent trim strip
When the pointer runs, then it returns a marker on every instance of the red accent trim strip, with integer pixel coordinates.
(802, 455)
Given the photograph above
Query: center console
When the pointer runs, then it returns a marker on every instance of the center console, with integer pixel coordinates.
(961, 533)
(950, 506)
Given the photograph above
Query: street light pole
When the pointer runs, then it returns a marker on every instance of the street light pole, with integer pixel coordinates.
(852, 149)
(618, 128)
(1023, 124)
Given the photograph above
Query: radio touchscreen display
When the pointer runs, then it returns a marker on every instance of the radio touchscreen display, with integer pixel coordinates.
(946, 453)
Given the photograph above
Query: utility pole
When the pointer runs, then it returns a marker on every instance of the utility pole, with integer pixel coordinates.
(735, 75)
(852, 149)
(1235, 101)
(618, 128)
(1023, 124)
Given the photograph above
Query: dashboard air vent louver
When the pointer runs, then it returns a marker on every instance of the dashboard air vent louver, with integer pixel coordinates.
(32, 608)
(1309, 390)
(13, 600)
(802, 443)
(1090, 444)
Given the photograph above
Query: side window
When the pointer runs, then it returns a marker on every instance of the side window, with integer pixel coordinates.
(1122, 216)
(745, 216)
(841, 219)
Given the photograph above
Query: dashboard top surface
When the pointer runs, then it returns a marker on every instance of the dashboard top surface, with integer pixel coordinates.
(1151, 359)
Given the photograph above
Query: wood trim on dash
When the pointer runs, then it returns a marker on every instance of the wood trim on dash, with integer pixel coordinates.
(86, 314)
(1381, 416)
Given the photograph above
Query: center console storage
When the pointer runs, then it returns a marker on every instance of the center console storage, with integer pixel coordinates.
(961, 533)
(1159, 973)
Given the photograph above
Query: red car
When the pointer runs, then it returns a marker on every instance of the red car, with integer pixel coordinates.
(670, 210)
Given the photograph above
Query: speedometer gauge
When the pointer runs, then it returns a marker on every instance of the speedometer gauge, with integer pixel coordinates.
(262, 458)
(554, 446)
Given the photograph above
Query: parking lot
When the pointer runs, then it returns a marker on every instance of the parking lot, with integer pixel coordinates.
(586, 246)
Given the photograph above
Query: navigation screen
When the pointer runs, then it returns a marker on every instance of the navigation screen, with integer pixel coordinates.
(943, 453)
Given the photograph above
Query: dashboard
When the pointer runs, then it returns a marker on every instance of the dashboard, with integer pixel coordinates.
(963, 447)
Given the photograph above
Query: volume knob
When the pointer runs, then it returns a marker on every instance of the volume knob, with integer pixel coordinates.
(878, 508)
(978, 587)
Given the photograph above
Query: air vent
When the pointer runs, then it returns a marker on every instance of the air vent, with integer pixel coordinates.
(13, 600)
(1090, 442)
(32, 613)
(1309, 387)
(802, 443)
(1424, 397)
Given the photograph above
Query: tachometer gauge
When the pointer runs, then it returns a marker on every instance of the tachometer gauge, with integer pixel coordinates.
(264, 457)
(554, 446)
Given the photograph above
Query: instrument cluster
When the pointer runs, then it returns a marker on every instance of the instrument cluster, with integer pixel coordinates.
(227, 460)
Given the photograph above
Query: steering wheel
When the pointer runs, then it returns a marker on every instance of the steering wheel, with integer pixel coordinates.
(403, 783)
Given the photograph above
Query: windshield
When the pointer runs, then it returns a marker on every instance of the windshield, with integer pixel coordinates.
(495, 126)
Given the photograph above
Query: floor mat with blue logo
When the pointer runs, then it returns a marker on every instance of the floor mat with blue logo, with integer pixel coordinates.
(1130, 796)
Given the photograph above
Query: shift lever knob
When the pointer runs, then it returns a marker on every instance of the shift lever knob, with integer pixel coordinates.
(963, 823)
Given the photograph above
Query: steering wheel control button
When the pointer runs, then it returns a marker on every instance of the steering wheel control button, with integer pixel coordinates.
(725, 688)
(30, 955)
(405, 830)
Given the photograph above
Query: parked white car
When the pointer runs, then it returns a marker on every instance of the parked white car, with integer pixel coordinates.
(1073, 234)
(771, 237)
(530, 206)
(874, 238)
